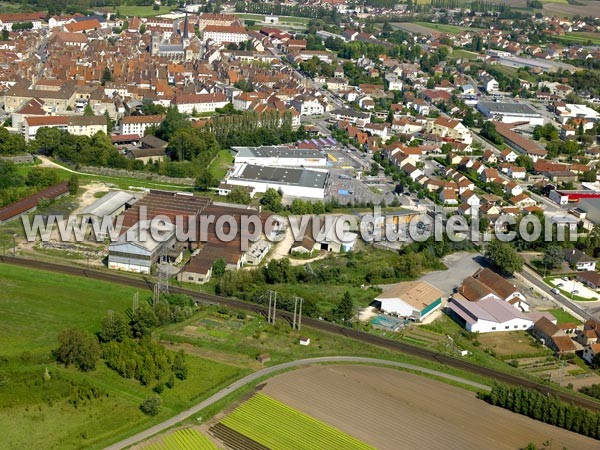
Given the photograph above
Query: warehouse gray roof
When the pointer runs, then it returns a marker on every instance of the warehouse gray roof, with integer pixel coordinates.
(507, 108)
(276, 152)
(108, 204)
(280, 175)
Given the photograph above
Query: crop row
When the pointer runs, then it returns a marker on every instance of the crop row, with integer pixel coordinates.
(279, 426)
(185, 439)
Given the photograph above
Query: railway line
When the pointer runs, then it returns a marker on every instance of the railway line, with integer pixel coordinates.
(317, 324)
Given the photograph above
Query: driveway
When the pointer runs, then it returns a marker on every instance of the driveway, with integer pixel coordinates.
(460, 266)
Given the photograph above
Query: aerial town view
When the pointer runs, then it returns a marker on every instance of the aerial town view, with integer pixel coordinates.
(299, 224)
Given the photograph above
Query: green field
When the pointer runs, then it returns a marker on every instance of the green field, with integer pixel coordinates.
(277, 426)
(444, 28)
(35, 306)
(466, 54)
(183, 439)
(58, 412)
(141, 11)
(581, 37)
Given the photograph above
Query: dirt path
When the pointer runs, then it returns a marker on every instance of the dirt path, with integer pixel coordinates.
(394, 410)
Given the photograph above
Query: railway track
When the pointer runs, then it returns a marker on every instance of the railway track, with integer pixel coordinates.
(317, 324)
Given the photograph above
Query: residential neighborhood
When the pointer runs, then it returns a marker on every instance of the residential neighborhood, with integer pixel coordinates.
(219, 218)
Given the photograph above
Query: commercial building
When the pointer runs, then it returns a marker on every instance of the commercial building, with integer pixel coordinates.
(303, 183)
(510, 112)
(491, 315)
(279, 156)
(414, 300)
(573, 111)
(141, 246)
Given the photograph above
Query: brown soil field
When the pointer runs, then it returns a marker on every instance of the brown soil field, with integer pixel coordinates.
(393, 410)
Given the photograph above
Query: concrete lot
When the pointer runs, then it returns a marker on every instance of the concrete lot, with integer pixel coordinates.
(460, 266)
(573, 285)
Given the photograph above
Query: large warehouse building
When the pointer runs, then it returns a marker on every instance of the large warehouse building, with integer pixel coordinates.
(279, 156)
(292, 182)
(510, 112)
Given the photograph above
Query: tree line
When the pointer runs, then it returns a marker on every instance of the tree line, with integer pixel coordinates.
(545, 408)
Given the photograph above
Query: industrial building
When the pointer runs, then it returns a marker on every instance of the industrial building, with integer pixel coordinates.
(510, 112)
(292, 182)
(414, 300)
(17, 209)
(140, 247)
(111, 204)
(279, 156)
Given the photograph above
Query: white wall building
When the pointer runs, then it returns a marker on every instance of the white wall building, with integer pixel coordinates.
(138, 124)
(303, 183)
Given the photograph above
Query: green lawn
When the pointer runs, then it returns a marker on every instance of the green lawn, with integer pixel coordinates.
(563, 316)
(222, 162)
(465, 54)
(278, 426)
(444, 28)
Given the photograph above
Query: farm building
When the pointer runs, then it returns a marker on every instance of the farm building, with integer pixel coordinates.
(414, 300)
(279, 156)
(491, 314)
(293, 182)
(30, 203)
(486, 283)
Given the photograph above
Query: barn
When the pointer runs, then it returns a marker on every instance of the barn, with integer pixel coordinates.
(414, 300)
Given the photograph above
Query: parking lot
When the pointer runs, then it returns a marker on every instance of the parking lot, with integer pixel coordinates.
(574, 287)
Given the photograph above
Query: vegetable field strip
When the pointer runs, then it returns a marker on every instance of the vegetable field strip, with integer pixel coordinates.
(185, 439)
(278, 426)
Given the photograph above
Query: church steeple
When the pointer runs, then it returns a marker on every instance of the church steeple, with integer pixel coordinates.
(186, 33)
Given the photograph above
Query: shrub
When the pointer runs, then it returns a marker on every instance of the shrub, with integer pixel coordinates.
(151, 405)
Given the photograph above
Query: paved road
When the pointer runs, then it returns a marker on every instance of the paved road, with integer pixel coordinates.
(535, 279)
(270, 371)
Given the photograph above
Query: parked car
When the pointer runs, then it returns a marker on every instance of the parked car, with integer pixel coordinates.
(566, 278)
(575, 291)
(559, 285)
